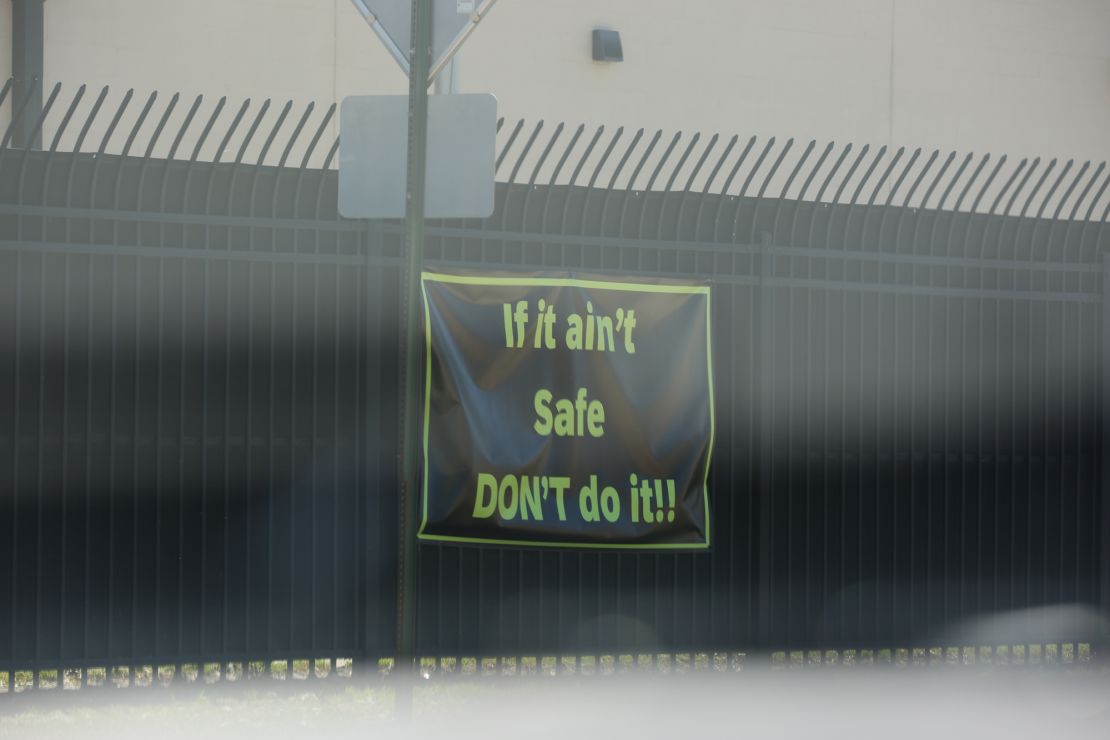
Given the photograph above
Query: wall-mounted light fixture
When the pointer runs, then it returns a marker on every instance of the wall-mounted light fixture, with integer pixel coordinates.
(607, 46)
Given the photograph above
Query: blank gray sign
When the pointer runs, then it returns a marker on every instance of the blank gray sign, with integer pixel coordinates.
(373, 156)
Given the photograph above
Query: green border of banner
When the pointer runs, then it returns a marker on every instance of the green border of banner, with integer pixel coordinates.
(574, 283)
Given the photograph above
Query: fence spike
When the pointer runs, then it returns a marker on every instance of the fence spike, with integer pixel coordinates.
(937, 179)
(524, 153)
(544, 154)
(1086, 189)
(115, 121)
(508, 145)
(986, 185)
(681, 162)
(624, 158)
(189, 115)
(5, 90)
(1098, 195)
(755, 167)
(720, 163)
(566, 152)
(296, 134)
(231, 130)
(775, 167)
(817, 168)
(605, 156)
(273, 134)
(161, 125)
(315, 140)
(643, 159)
(1052, 190)
(971, 181)
(586, 154)
(1071, 188)
(207, 130)
(251, 131)
(663, 159)
(701, 162)
(797, 167)
(17, 114)
(1009, 182)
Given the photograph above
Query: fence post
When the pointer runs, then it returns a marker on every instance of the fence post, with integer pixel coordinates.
(27, 43)
(765, 408)
(411, 374)
(369, 551)
(1104, 467)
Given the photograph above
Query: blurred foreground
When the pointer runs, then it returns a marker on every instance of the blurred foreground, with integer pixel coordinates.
(948, 702)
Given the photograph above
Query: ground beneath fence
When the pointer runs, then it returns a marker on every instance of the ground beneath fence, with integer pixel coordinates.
(941, 703)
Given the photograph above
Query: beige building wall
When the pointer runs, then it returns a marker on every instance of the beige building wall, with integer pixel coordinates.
(1024, 77)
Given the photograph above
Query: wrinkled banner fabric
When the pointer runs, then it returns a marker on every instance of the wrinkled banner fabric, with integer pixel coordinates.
(566, 412)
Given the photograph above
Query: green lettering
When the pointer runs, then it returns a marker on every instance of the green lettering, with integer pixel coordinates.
(587, 501)
(596, 419)
(589, 325)
(564, 418)
(542, 425)
(574, 331)
(506, 508)
(559, 484)
(605, 329)
(484, 510)
(610, 504)
(629, 323)
(530, 498)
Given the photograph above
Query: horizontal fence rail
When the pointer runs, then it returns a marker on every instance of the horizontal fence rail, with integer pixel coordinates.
(198, 371)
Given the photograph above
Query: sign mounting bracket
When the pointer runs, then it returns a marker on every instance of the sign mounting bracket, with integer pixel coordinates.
(447, 39)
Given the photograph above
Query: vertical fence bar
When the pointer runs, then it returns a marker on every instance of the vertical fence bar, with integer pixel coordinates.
(1104, 390)
(27, 24)
(410, 367)
(764, 326)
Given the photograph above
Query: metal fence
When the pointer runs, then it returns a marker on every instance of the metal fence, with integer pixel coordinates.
(198, 394)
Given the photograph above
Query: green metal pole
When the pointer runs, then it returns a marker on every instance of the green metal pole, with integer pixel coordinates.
(420, 56)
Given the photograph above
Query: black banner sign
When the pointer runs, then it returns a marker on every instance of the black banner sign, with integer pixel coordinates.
(566, 412)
